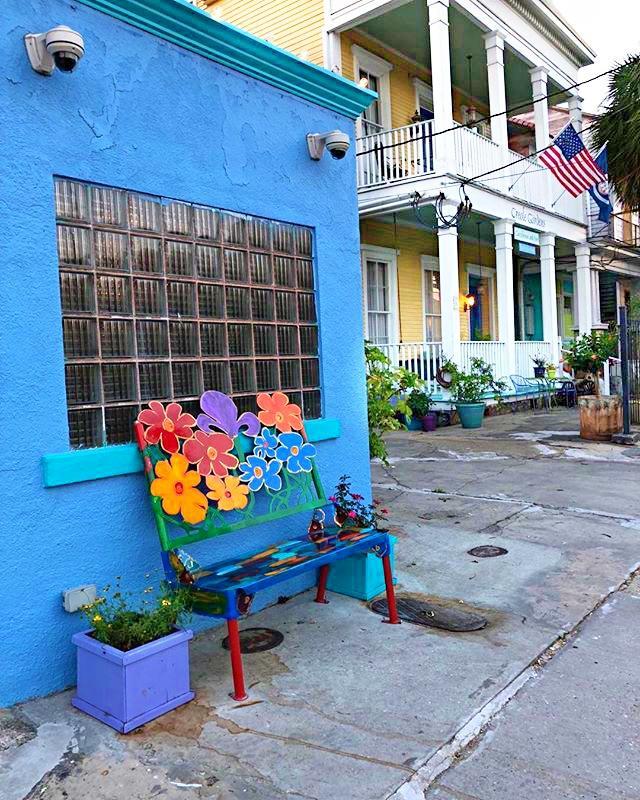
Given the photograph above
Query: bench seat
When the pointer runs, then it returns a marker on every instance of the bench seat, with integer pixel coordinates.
(256, 570)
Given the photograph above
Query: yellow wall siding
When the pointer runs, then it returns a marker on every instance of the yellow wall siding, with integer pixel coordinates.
(411, 243)
(293, 25)
(402, 90)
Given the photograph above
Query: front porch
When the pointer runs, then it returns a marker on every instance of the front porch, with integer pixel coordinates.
(432, 294)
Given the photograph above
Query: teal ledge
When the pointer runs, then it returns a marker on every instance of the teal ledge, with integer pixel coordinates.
(75, 466)
(183, 24)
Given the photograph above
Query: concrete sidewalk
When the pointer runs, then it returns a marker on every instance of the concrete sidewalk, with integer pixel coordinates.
(347, 708)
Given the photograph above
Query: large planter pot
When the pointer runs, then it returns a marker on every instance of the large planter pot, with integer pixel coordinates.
(414, 423)
(600, 417)
(539, 372)
(430, 421)
(360, 575)
(127, 689)
(471, 414)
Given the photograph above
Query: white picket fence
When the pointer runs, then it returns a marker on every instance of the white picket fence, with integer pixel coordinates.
(421, 358)
(525, 352)
(491, 352)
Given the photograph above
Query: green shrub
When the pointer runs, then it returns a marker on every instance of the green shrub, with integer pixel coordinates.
(385, 382)
(588, 353)
(419, 402)
(470, 387)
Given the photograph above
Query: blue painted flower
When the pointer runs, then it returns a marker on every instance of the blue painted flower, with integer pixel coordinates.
(265, 444)
(257, 472)
(295, 452)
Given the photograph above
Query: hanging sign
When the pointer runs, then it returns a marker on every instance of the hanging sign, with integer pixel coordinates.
(523, 235)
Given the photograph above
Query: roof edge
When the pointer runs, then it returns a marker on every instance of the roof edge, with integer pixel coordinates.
(191, 28)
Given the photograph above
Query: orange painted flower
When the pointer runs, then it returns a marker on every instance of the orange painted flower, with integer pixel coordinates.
(278, 411)
(175, 484)
(229, 493)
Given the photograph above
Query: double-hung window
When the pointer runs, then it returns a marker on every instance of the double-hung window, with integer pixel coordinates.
(162, 300)
(380, 296)
(432, 304)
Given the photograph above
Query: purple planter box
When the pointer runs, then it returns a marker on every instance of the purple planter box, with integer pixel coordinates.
(125, 690)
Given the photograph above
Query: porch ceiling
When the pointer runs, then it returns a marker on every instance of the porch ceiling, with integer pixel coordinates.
(406, 29)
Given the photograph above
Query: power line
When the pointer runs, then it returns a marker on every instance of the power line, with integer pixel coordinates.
(510, 110)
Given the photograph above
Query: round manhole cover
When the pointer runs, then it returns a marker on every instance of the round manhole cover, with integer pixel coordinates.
(432, 615)
(256, 640)
(487, 551)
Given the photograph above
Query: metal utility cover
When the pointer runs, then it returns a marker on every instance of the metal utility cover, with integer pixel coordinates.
(432, 615)
(256, 640)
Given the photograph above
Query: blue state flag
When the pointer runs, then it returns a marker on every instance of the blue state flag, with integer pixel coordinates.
(600, 192)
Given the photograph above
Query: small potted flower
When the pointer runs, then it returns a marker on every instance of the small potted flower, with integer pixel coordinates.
(552, 371)
(420, 404)
(133, 665)
(539, 366)
(361, 575)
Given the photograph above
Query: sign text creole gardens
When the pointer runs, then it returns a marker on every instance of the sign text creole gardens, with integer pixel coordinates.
(527, 217)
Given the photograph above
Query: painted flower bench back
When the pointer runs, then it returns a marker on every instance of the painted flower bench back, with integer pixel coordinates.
(225, 471)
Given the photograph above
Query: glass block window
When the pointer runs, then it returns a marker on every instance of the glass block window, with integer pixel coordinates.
(162, 300)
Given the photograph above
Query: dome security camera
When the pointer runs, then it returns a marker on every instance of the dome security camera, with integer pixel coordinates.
(336, 142)
(59, 47)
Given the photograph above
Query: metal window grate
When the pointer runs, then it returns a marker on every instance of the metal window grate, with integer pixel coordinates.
(163, 299)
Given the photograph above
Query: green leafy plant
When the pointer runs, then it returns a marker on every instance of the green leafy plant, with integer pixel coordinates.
(419, 402)
(634, 306)
(470, 387)
(351, 508)
(619, 127)
(121, 621)
(384, 384)
(539, 361)
(480, 336)
(588, 353)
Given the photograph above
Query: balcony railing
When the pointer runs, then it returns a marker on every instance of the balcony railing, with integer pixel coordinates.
(398, 154)
(388, 156)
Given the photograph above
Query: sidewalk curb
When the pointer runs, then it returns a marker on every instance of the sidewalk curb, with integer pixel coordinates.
(472, 731)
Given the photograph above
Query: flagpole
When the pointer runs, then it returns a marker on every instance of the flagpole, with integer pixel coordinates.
(558, 197)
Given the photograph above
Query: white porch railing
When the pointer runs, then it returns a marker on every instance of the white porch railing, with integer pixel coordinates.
(421, 358)
(392, 155)
(494, 353)
(525, 351)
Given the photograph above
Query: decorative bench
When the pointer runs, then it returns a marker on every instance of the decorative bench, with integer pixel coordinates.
(227, 472)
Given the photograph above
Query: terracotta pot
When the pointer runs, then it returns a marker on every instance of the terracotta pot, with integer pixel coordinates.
(600, 417)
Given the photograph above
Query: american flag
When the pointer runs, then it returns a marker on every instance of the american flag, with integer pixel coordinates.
(571, 162)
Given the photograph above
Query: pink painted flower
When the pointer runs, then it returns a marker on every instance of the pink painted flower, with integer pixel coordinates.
(332, 499)
(166, 426)
(211, 452)
(352, 515)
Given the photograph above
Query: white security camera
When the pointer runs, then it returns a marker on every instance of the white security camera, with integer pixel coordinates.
(336, 142)
(60, 47)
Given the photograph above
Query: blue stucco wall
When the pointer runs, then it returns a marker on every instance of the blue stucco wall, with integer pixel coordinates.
(144, 115)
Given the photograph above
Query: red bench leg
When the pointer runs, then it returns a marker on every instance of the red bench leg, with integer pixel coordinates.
(239, 692)
(322, 585)
(394, 619)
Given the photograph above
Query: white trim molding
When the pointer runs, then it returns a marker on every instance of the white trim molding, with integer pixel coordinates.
(370, 62)
(389, 256)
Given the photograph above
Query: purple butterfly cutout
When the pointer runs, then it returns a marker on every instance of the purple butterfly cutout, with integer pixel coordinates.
(221, 413)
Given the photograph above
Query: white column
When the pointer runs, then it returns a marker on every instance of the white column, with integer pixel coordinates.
(494, 44)
(548, 290)
(595, 298)
(449, 289)
(540, 106)
(575, 111)
(583, 285)
(332, 52)
(441, 81)
(503, 229)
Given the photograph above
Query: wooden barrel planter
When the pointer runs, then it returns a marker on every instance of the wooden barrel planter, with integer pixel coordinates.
(600, 417)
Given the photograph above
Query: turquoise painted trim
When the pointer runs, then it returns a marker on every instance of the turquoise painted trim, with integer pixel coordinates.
(183, 24)
(319, 430)
(75, 466)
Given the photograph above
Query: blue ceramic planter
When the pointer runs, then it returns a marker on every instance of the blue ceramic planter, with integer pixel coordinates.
(471, 414)
(127, 689)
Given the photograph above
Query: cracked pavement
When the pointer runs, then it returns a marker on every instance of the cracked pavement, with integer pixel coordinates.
(347, 708)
